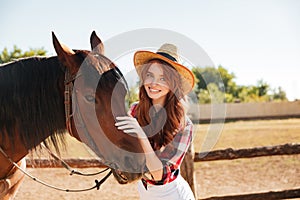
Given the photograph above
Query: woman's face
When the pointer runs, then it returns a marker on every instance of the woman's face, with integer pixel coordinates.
(155, 83)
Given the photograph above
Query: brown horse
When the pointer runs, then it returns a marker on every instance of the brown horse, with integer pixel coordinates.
(36, 107)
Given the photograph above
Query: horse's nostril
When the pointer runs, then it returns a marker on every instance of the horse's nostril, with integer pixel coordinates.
(123, 177)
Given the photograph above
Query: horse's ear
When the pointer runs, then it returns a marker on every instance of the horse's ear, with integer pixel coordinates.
(96, 44)
(65, 54)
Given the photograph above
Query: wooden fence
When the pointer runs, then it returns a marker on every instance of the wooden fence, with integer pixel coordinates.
(226, 154)
(244, 111)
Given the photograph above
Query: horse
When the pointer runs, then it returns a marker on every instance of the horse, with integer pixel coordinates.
(39, 104)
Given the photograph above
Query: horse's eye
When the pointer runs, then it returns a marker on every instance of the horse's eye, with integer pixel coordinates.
(90, 98)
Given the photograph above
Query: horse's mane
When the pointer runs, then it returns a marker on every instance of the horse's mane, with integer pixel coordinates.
(31, 102)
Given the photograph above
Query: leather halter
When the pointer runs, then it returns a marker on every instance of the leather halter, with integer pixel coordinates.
(67, 98)
(69, 85)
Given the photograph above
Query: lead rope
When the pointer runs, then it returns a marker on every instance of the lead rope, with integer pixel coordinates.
(65, 165)
(97, 186)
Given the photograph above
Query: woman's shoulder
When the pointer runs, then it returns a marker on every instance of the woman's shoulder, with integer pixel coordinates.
(188, 120)
(133, 105)
(186, 123)
(132, 108)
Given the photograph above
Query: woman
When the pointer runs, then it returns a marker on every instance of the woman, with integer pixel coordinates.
(159, 121)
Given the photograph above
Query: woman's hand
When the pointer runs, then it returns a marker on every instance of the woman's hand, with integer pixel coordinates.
(130, 125)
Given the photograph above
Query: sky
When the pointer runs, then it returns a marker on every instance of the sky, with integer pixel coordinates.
(253, 39)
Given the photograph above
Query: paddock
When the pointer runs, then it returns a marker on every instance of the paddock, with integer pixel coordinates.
(217, 178)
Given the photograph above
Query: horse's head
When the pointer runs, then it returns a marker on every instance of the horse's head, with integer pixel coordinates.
(98, 97)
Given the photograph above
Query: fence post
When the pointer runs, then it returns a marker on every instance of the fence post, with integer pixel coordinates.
(187, 169)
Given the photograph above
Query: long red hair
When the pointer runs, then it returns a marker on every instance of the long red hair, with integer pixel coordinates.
(159, 127)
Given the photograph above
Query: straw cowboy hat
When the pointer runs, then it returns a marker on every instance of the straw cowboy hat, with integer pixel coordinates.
(168, 53)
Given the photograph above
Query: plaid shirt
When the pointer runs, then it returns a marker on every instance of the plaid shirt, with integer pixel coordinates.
(171, 155)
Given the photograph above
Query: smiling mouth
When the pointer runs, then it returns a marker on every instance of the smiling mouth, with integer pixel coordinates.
(153, 90)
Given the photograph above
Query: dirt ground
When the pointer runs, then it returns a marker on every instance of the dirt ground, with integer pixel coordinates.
(215, 178)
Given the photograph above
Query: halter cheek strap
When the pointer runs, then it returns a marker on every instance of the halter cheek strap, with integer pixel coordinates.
(67, 96)
(69, 114)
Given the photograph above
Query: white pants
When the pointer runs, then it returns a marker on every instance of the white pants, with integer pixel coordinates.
(178, 189)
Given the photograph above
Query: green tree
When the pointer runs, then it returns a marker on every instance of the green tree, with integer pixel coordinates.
(278, 94)
(204, 96)
(262, 87)
(248, 94)
(206, 76)
(219, 76)
(228, 80)
(211, 95)
(222, 82)
(17, 53)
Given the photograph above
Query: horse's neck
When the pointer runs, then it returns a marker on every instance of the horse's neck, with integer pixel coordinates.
(29, 119)
(15, 151)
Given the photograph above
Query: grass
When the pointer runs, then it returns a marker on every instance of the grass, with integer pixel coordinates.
(246, 134)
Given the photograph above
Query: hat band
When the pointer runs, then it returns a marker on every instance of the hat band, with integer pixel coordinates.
(167, 56)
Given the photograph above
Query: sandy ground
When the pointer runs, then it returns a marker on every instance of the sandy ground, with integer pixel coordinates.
(215, 178)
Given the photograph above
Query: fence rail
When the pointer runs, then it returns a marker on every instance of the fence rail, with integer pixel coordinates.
(230, 154)
(226, 154)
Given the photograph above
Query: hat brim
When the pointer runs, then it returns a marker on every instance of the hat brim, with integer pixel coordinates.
(187, 78)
